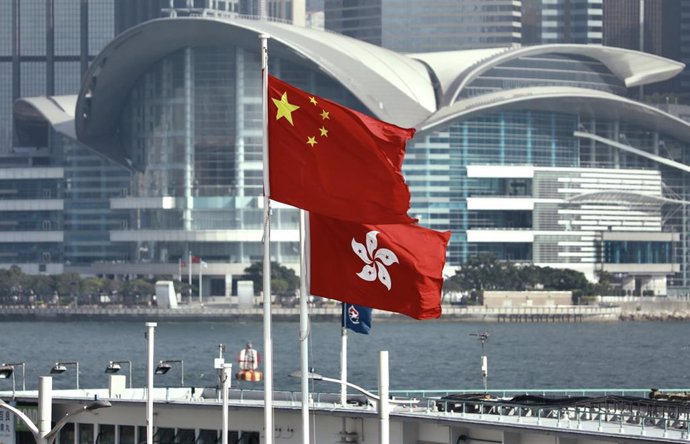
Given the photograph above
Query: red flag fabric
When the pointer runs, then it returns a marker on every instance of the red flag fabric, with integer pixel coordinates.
(196, 259)
(394, 267)
(329, 159)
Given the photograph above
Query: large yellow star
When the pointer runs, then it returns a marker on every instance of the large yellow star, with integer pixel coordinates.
(311, 141)
(285, 108)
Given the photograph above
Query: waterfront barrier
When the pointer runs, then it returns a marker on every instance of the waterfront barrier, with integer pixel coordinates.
(224, 312)
(563, 313)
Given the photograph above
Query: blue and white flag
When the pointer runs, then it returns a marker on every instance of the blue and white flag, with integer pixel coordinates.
(357, 318)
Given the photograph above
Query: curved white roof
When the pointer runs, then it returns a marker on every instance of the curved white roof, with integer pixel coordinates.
(395, 88)
(564, 99)
(57, 111)
(634, 68)
(448, 65)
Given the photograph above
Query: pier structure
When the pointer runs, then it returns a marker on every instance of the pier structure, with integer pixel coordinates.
(195, 413)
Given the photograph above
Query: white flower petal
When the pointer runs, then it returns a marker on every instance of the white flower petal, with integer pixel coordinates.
(372, 242)
(386, 256)
(368, 273)
(360, 251)
(384, 277)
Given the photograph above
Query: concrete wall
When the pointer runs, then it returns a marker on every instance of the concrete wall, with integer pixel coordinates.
(497, 299)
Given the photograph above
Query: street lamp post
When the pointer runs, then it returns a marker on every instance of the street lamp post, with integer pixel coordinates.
(42, 433)
(60, 367)
(381, 401)
(384, 406)
(150, 332)
(7, 370)
(225, 370)
(114, 367)
(164, 367)
(95, 405)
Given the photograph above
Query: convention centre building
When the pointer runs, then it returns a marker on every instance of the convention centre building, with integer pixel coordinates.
(537, 155)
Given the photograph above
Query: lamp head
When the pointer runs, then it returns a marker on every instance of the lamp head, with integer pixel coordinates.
(58, 368)
(6, 371)
(98, 404)
(310, 375)
(163, 368)
(113, 367)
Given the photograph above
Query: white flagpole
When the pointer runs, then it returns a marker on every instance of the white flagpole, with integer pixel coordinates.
(304, 326)
(189, 279)
(268, 340)
(200, 267)
(343, 359)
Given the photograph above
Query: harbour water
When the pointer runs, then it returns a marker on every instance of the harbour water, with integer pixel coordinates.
(423, 355)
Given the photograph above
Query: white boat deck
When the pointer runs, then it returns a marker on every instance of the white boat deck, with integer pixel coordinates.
(426, 422)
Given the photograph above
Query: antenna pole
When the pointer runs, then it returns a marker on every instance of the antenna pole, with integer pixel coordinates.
(483, 338)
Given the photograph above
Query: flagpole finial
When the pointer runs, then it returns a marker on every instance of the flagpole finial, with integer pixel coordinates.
(264, 36)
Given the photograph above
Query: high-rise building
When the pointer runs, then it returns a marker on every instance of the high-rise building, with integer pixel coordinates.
(45, 48)
(47, 45)
(432, 25)
(685, 49)
(571, 21)
(651, 26)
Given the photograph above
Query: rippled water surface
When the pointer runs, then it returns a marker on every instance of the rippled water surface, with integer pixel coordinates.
(423, 355)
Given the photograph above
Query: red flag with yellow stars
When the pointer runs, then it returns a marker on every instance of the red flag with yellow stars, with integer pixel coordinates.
(329, 159)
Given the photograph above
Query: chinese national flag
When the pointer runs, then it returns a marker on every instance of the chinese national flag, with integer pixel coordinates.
(335, 161)
(394, 267)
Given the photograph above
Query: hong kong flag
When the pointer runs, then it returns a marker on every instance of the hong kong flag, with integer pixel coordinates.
(329, 159)
(393, 267)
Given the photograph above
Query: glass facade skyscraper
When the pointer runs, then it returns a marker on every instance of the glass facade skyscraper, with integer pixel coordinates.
(45, 47)
(571, 21)
(405, 26)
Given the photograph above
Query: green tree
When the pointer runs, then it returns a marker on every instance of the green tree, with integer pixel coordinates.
(43, 286)
(284, 281)
(68, 284)
(138, 291)
(484, 272)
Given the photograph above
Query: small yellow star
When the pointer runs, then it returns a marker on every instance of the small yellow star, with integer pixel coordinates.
(285, 108)
(324, 132)
(324, 115)
(312, 99)
(311, 141)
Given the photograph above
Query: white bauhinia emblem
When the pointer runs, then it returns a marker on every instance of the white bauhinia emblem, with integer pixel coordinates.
(375, 261)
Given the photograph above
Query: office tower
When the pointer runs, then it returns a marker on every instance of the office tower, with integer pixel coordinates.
(571, 21)
(45, 47)
(685, 49)
(432, 25)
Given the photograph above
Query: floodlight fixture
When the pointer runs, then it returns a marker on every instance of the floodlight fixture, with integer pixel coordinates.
(7, 371)
(114, 367)
(61, 367)
(165, 366)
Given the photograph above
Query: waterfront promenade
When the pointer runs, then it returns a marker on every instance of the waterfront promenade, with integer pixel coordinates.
(225, 312)
(215, 309)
